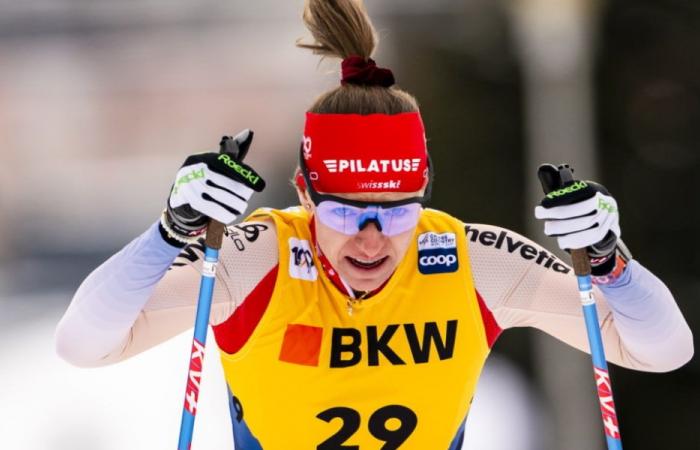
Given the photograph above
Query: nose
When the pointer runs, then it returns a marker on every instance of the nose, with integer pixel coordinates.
(370, 240)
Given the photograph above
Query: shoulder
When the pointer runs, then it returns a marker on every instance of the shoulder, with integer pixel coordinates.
(505, 265)
(493, 242)
(253, 241)
(251, 238)
(436, 214)
(253, 230)
(434, 219)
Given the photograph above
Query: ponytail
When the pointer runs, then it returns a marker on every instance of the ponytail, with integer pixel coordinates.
(342, 29)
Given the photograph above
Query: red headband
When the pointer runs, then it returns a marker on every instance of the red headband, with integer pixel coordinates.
(346, 153)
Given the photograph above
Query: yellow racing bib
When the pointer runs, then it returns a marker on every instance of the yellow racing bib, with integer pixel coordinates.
(397, 372)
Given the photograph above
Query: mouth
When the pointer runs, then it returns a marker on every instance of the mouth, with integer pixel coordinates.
(367, 265)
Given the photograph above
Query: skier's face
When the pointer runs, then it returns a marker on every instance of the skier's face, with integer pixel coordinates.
(365, 260)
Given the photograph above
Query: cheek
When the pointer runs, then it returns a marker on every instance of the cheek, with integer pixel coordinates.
(401, 243)
(330, 241)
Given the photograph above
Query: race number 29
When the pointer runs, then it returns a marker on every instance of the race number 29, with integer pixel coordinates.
(392, 436)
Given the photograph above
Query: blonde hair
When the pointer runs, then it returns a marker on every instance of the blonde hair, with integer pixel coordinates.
(342, 28)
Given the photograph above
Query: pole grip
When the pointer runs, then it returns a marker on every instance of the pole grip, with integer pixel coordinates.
(581, 262)
(215, 234)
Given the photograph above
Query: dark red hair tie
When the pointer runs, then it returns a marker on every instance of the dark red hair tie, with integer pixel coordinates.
(357, 70)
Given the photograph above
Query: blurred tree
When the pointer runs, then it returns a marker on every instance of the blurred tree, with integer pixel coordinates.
(648, 115)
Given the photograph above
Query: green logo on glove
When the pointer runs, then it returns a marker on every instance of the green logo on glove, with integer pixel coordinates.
(247, 174)
(194, 175)
(602, 204)
(567, 190)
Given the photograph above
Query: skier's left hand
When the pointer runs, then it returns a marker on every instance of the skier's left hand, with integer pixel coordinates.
(583, 214)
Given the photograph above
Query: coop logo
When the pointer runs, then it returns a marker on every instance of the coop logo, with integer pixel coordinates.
(372, 166)
(437, 253)
(301, 260)
(446, 260)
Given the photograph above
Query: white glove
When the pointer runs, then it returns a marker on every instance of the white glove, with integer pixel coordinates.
(581, 224)
(211, 186)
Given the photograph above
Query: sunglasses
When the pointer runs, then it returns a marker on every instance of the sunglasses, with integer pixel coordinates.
(349, 219)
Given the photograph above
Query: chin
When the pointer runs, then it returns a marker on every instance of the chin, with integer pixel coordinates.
(365, 280)
(365, 285)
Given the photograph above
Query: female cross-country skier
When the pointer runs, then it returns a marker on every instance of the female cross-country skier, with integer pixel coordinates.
(360, 318)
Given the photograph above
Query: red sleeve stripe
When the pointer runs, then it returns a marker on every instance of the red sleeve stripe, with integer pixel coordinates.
(232, 334)
(490, 326)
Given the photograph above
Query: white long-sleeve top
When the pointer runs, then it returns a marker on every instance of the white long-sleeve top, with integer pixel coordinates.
(147, 293)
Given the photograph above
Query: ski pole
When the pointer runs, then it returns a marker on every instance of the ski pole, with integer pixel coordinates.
(582, 268)
(212, 245)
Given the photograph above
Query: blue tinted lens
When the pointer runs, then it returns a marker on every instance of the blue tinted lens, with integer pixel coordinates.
(349, 219)
(339, 217)
(397, 211)
(399, 219)
(344, 211)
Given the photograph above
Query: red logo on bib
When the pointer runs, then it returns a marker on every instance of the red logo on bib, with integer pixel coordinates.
(301, 345)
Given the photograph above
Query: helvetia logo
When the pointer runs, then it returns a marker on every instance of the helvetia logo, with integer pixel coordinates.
(437, 253)
(301, 260)
(513, 245)
(372, 166)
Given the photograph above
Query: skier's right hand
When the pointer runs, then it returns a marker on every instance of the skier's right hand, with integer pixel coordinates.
(210, 186)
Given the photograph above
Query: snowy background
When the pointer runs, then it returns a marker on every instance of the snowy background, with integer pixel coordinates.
(101, 101)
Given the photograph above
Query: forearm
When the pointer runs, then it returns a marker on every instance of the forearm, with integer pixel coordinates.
(649, 323)
(108, 302)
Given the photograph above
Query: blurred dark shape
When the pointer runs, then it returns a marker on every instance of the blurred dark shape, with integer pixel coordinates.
(649, 142)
